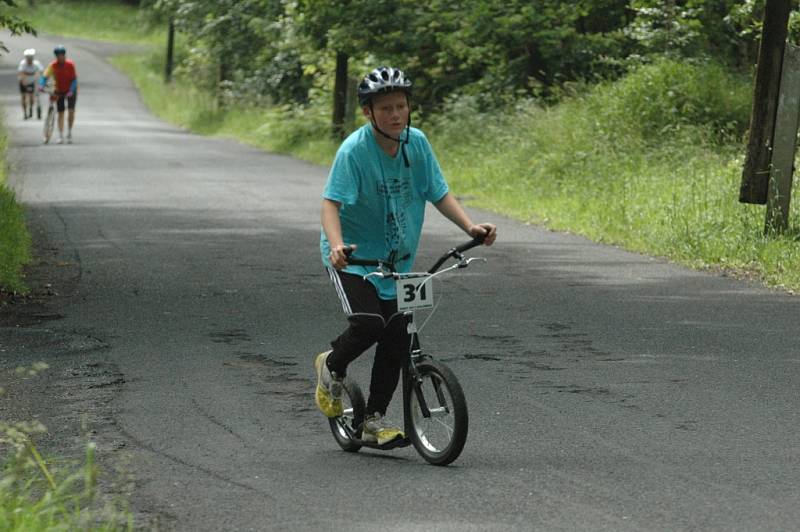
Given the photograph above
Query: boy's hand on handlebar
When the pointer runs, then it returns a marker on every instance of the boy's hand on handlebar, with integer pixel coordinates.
(339, 254)
(486, 230)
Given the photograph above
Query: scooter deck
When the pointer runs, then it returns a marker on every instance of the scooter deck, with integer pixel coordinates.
(399, 441)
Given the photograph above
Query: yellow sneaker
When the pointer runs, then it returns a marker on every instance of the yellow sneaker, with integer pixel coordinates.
(329, 388)
(376, 430)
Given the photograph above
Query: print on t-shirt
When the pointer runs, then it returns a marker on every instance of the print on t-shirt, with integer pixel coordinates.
(398, 201)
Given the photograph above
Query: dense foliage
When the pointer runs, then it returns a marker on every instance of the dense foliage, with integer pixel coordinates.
(495, 51)
(11, 20)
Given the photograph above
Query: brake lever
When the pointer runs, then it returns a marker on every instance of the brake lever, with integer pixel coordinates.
(466, 262)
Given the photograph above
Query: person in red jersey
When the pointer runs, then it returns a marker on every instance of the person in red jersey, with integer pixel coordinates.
(63, 72)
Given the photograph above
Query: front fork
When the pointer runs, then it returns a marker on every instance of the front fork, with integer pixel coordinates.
(411, 378)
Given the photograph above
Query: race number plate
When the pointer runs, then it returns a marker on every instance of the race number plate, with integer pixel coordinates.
(412, 296)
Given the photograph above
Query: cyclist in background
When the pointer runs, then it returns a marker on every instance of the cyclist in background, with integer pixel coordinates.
(62, 70)
(28, 73)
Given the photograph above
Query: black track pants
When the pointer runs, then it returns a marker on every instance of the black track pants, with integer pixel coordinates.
(372, 320)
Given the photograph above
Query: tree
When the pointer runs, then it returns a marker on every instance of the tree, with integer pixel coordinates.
(246, 42)
(347, 28)
(500, 50)
(665, 27)
(755, 175)
(12, 22)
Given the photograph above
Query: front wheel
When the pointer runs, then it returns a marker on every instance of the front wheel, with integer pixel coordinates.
(437, 411)
(49, 122)
(349, 423)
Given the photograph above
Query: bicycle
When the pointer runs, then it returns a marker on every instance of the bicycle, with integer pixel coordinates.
(435, 416)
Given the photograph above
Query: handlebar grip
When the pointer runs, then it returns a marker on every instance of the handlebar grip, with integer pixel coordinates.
(477, 241)
(456, 251)
(348, 251)
(362, 262)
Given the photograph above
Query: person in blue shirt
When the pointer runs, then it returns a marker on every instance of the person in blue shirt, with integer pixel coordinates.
(374, 201)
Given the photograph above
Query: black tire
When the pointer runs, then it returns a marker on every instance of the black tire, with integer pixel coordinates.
(354, 407)
(49, 123)
(439, 438)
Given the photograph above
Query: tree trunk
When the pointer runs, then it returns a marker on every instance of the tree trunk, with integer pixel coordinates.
(755, 176)
(785, 144)
(340, 96)
(222, 82)
(170, 51)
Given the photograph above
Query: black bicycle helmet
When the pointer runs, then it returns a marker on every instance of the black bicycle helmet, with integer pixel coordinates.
(382, 80)
(59, 50)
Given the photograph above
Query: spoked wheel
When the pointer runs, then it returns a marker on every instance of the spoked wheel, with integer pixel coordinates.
(49, 122)
(438, 414)
(350, 422)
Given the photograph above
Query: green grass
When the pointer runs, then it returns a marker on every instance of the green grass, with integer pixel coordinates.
(15, 241)
(103, 20)
(649, 163)
(44, 495)
(300, 132)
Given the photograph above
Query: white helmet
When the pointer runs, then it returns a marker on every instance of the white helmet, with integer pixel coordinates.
(30, 52)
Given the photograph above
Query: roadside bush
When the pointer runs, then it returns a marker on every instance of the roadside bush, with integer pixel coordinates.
(651, 162)
(669, 95)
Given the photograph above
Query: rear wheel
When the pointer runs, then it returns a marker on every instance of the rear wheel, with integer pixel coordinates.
(437, 411)
(350, 422)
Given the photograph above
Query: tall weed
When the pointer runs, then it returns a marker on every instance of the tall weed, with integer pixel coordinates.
(39, 494)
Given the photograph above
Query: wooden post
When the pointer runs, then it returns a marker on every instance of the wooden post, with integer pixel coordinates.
(170, 51)
(784, 143)
(755, 176)
(340, 95)
(223, 82)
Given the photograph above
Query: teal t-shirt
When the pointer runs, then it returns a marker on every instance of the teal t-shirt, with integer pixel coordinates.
(383, 202)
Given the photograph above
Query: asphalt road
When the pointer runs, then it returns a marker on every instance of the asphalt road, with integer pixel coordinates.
(607, 390)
